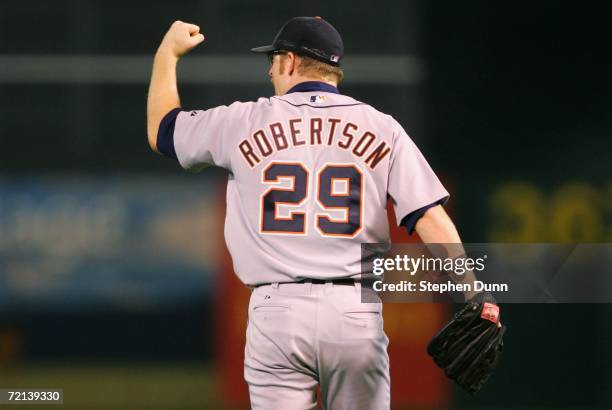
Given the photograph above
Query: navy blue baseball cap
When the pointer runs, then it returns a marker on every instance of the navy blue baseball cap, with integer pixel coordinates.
(309, 36)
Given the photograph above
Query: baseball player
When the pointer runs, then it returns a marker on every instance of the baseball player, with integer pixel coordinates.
(310, 172)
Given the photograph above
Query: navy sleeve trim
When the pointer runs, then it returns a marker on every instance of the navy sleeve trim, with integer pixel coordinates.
(409, 222)
(165, 134)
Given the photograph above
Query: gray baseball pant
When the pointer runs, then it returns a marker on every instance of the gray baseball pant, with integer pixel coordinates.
(301, 335)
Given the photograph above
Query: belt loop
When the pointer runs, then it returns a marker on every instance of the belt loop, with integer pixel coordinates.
(308, 284)
(275, 285)
(358, 286)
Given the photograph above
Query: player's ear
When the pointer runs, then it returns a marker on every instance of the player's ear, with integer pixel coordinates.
(292, 59)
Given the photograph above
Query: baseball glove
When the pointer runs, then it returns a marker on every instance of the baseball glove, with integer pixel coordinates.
(469, 347)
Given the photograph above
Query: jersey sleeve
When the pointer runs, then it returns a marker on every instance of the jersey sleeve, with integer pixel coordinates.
(413, 186)
(202, 137)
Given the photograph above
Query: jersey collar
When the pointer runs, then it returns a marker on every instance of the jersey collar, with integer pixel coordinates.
(313, 86)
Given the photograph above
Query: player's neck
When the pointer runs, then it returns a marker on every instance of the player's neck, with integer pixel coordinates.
(303, 79)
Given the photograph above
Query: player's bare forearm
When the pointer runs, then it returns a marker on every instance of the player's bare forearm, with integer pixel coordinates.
(163, 93)
(163, 89)
(435, 226)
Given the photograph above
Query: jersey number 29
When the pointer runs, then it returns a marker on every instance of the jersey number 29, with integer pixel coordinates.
(339, 188)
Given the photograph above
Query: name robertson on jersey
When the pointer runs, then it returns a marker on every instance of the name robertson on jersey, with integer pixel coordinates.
(299, 132)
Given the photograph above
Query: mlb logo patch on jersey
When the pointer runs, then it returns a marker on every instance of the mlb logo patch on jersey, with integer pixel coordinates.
(317, 98)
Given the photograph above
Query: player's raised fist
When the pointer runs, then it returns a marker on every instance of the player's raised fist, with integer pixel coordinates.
(181, 38)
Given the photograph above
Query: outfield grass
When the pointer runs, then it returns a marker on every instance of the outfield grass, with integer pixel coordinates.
(116, 386)
(113, 386)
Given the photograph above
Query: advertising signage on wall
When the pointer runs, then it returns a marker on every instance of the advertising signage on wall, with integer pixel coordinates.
(105, 242)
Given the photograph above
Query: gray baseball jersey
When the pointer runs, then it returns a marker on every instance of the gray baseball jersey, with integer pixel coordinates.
(310, 174)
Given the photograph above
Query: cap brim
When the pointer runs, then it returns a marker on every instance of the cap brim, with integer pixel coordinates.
(263, 49)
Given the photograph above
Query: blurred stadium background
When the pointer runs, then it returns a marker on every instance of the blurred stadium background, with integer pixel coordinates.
(114, 280)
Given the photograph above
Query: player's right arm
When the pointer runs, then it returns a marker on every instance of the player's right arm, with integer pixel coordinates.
(418, 196)
(163, 90)
(435, 226)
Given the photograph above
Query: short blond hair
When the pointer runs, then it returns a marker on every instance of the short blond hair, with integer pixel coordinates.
(316, 68)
